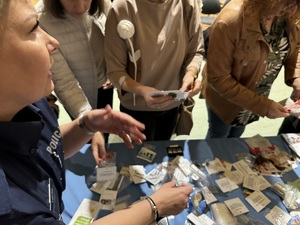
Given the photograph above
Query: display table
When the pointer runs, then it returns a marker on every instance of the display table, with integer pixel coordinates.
(80, 167)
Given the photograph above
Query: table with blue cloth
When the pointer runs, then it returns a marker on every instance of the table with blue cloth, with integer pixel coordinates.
(81, 166)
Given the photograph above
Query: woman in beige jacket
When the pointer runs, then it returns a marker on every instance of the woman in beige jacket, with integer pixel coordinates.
(250, 41)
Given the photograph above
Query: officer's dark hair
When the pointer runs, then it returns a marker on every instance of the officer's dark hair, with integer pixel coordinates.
(57, 10)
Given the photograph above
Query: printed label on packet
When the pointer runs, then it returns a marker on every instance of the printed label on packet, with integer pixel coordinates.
(258, 200)
(200, 220)
(86, 212)
(278, 216)
(106, 173)
(208, 195)
(146, 154)
(236, 206)
(226, 185)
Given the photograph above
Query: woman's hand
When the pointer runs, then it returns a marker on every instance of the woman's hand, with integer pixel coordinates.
(191, 83)
(98, 147)
(170, 199)
(107, 85)
(192, 87)
(108, 120)
(276, 110)
(156, 102)
(296, 87)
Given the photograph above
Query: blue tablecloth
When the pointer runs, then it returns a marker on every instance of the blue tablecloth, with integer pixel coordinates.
(80, 167)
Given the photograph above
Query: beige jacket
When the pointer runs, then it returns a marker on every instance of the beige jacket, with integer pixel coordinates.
(236, 61)
(167, 40)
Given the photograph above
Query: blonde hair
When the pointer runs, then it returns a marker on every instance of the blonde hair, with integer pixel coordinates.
(3, 10)
(3, 7)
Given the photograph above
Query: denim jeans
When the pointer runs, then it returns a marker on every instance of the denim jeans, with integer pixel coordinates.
(218, 129)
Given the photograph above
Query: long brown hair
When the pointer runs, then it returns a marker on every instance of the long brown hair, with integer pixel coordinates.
(261, 8)
(57, 10)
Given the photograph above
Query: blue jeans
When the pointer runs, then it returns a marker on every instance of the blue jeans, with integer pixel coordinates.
(218, 129)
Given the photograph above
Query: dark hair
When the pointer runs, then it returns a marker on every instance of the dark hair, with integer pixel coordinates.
(57, 10)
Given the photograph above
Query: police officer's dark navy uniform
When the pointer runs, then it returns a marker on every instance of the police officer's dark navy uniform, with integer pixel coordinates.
(31, 168)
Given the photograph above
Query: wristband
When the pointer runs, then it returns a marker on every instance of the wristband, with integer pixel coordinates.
(83, 127)
(154, 208)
